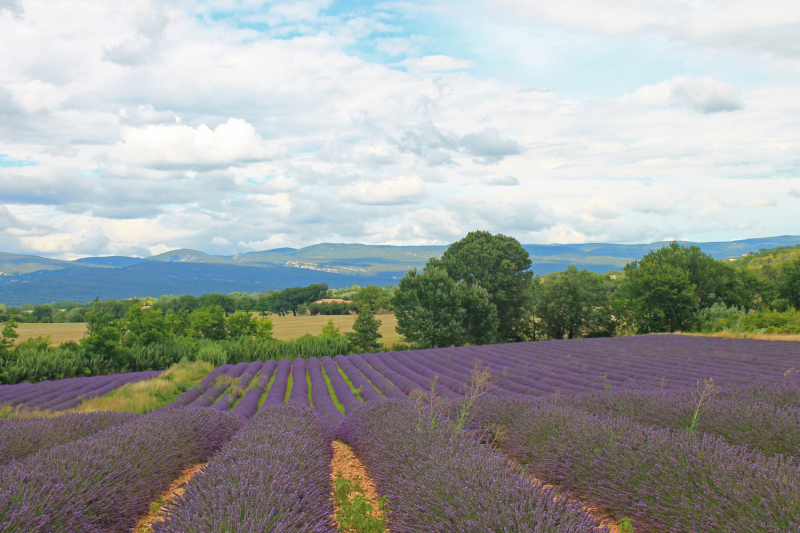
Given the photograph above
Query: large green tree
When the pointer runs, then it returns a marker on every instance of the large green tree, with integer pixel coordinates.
(573, 303)
(500, 265)
(433, 310)
(145, 326)
(664, 296)
(370, 297)
(209, 323)
(103, 339)
(789, 286)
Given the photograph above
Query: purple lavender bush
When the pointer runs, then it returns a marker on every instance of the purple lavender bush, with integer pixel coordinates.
(664, 480)
(274, 476)
(737, 417)
(21, 438)
(103, 482)
(440, 480)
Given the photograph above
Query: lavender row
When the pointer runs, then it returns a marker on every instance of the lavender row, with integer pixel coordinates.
(67, 393)
(103, 482)
(438, 479)
(238, 388)
(274, 476)
(760, 426)
(198, 390)
(21, 438)
(664, 480)
(321, 397)
(366, 389)
(248, 405)
(277, 392)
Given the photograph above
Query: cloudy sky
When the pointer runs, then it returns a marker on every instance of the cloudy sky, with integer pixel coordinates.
(135, 127)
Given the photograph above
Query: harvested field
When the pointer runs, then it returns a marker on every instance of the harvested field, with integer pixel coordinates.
(291, 327)
(59, 333)
(286, 328)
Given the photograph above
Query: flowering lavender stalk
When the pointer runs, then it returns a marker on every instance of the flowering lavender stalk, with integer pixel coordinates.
(21, 438)
(274, 476)
(103, 482)
(664, 480)
(441, 480)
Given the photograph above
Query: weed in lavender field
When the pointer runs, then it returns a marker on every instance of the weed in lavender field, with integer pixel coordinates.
(625, 525)
(702, 397)
(355, 512)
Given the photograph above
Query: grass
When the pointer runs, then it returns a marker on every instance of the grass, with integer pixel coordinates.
(745, 335)
(266, 390)
(356, 391)
(149, 395)
(336, 402)
(289, 384)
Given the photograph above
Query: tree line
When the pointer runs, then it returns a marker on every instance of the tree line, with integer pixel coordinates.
(482, 291)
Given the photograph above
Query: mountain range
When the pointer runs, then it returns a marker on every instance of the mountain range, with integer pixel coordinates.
(33, 279)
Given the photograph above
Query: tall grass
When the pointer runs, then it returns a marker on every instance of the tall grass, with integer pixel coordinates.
(148, 395)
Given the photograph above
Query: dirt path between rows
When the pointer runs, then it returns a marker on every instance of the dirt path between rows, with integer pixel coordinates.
(145, 523)
(346, 463)
(587, 508)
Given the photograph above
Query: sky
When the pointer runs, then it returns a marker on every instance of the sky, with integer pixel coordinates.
(229, 126)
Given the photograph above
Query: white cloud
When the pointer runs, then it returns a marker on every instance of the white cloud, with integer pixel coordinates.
(794, 192)
(504, 180)
(220, 241)
(142, 115)
(435, 64)
(181, 146)
(601, 208)
(705, 94)
(318, 123)
(391, 191)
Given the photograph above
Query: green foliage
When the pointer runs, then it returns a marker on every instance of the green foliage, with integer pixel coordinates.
(213, 353)
(9, 336)
(372, 298)
(355, 512)
(145, 326)
(500, 265)
(789, 287)
(719, 318)
(103, 339)
(35, 343)
(241, 324)
(332, 308)
(209, 323)
(364, 337)
(433, 311)
(666, 293)
(573, 303)
(329, 330)
(625, 525)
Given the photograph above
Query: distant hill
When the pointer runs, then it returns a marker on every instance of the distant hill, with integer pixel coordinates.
(110, 261)
(25, 264)
(152, 278)
(31, 279)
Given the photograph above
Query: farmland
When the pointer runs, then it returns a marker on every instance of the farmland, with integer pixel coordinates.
(642, 434)
(286, 328)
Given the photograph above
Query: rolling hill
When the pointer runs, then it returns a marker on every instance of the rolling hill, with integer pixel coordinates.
(31, 279)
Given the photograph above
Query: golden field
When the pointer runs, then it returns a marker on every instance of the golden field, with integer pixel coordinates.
(288, 327)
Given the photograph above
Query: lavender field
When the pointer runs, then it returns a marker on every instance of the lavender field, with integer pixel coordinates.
(635, 434)
(563, 367)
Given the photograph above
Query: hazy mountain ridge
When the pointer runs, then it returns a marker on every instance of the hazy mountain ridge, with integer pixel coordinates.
(31, 279)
